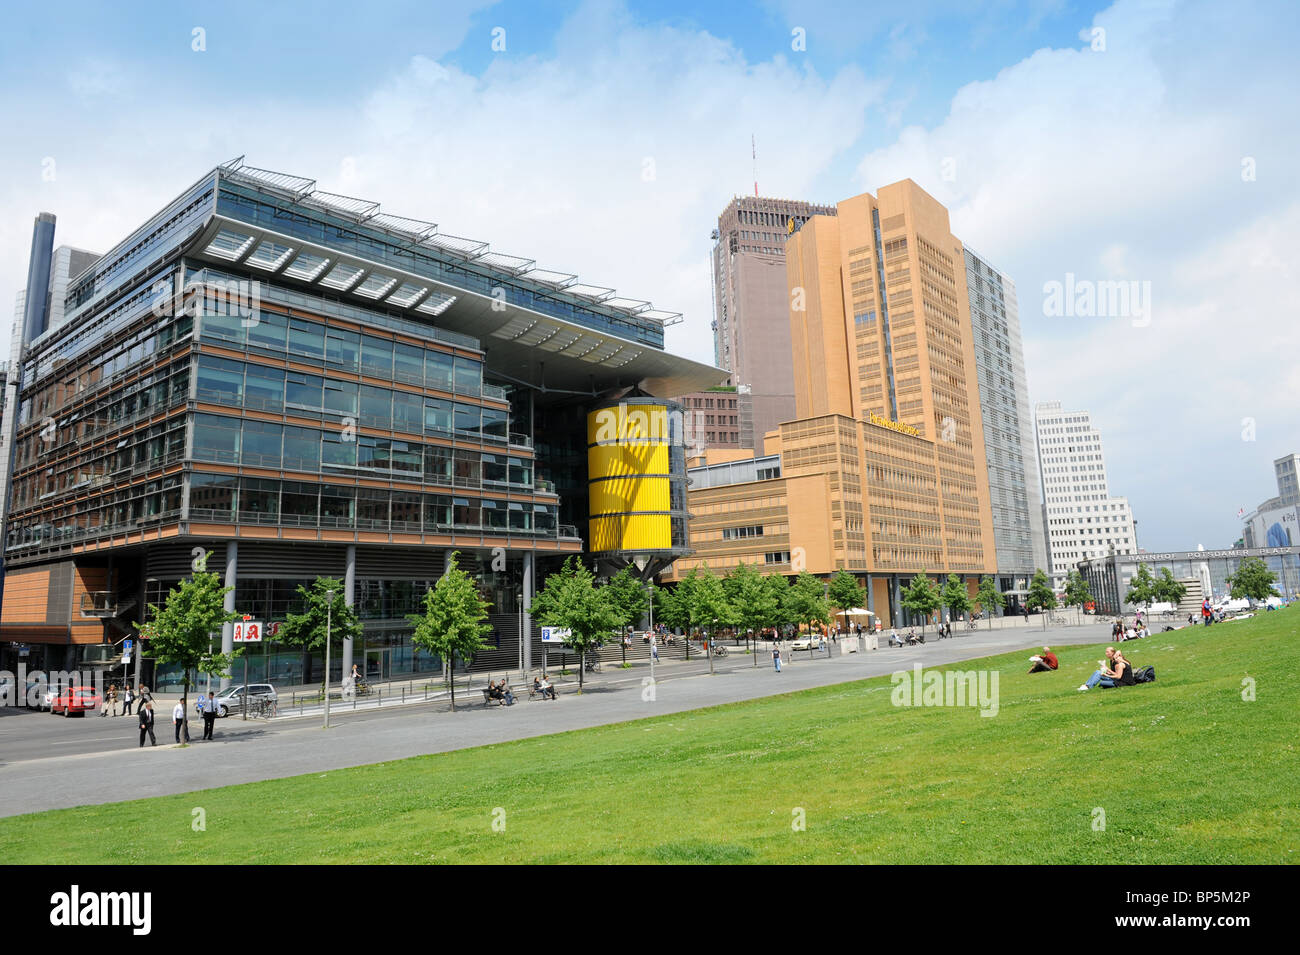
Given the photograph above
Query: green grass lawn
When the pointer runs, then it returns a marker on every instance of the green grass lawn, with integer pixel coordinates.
(1185, 770)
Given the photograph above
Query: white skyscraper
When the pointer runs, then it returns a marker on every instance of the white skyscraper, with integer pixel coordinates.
(1081, 518)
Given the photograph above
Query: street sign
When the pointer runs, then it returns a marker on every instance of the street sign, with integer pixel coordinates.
(555, 634)
(248, 631)
(126, 644)
(126, 658)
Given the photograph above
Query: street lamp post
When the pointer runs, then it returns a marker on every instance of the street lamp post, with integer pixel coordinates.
(519, 604)
(329, 610)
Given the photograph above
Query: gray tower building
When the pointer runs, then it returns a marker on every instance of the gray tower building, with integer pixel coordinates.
(1014, 489)
(751, 303)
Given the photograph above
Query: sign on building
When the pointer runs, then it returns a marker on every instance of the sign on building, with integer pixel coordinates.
(248, 631)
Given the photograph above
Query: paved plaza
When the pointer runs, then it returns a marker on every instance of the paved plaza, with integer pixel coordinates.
(51, 763)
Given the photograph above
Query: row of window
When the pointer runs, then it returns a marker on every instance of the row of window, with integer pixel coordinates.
(219, 497)
(241, 385)
(346, 350)
(254, 443)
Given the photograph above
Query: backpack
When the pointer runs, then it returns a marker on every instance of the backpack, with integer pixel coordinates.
(1145, 674)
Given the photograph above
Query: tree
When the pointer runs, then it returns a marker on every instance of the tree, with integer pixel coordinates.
(454, 621)
(956, 597)
(180, 633)
(1077, 591)
(627, 594)
(778, 585)
(989, 597)
(1252, 580)
(921, 598)
(1168, 589)
(807, 603)
(753, 600)
(846, 593)
(1040, 596)
(709, 606)
(1142, 589)
(321, 614)
(572, 600)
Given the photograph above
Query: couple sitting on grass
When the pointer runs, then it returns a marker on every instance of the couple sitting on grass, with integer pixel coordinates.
(1115, 670)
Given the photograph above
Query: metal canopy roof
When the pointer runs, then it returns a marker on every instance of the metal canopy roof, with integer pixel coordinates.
(524, 346)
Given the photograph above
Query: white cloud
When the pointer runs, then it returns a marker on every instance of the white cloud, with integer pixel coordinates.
(1126, 164)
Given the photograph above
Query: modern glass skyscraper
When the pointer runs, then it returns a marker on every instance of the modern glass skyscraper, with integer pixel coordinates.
(300, 384)
(1014, 490)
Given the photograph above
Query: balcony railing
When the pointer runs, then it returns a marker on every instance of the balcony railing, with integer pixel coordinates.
(396, 526)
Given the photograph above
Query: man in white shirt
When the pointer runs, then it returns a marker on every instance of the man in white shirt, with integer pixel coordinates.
(209, 714)
(178, 719)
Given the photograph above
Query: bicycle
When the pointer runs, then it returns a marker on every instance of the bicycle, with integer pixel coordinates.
(592, 666)
(719, 651)
(971, 625)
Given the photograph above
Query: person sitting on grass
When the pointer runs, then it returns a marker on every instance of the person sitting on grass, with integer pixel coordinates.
(1044, 662)
(1111, 672)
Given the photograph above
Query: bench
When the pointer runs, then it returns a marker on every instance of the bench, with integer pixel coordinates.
(488, 700)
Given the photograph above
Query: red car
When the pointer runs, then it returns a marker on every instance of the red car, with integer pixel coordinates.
(75, 699)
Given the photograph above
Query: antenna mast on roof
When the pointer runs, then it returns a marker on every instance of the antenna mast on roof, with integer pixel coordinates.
(753, 149)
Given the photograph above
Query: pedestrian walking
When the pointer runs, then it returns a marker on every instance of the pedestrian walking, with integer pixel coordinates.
(209, 714)
(178, 719)
(146, 724)
(776, 658)
(128, 700)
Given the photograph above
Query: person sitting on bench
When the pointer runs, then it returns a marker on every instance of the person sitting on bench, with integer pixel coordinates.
(1045, 662)
(494, 693)
(894, 639)
(546, 688)
(504, 691)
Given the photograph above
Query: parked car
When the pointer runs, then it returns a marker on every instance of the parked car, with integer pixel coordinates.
(231, 699)
(75, 699)
(37, 696)
(807, 643)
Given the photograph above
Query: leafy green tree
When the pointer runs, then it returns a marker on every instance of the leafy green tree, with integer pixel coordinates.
(307, 630)
(956, 597)
(754, 602)
(709, 606)
(1142, 588)
(454, 621)
(1168, 589)
(989, 597)
(1252, 580)
(1077, 591)
(180, 633)
(778, 585)
(572, 599)
(846, 593)
(628, 595)
(1041, 596)
(806, 602)
(921, 598)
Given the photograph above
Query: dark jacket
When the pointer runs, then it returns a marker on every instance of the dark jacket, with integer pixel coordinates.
(146, 718)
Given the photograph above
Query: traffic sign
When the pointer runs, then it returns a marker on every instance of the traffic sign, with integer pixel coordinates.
(248, 631)
(126, 644)
(555, 634)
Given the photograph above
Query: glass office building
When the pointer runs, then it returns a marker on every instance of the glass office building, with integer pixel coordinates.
(302, 385)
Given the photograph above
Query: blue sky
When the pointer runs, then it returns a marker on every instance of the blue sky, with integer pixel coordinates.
(601, 120)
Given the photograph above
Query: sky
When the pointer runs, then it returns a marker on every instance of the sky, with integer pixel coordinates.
(1148, 142)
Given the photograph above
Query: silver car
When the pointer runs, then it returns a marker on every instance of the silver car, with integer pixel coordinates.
(231, 700)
